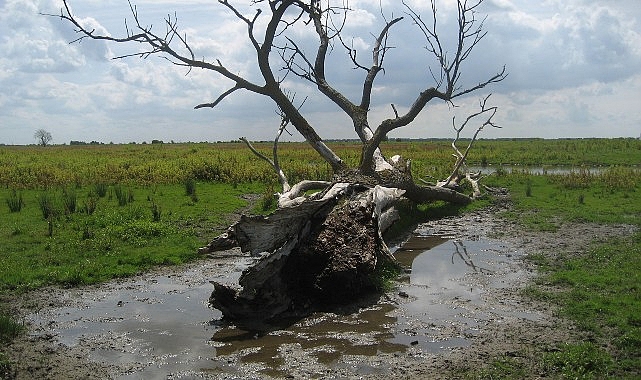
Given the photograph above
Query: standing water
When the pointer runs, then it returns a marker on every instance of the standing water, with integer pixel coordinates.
(160, 324)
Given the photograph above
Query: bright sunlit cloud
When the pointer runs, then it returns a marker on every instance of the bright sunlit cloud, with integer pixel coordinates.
(574, 71)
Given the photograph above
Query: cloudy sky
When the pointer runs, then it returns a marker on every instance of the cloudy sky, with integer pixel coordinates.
(574, 71)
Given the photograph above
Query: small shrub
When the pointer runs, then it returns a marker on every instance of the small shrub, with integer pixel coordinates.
(385, 275)
(100, 189)
(69, 200)
(156, 211)
(47, 204)
(15, 202)
(190, 187)
(9, 328)
(91, 204)
(268, 200)
(123, 195)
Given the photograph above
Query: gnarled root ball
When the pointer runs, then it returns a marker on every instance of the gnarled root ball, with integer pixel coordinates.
(330, 261)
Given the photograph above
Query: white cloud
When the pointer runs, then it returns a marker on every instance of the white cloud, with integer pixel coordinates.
(566, 46)
(574, 71)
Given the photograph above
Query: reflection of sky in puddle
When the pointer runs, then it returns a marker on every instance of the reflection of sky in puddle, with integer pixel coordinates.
(163, 322)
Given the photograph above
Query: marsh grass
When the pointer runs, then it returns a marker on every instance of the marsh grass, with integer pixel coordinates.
(123, 195)
(599, 289)
(579, 361)
(14, 201)
(552, 199)
(48, 205)
(156, 211)
(268, 201)
(9, 327)
(145, 165)
(100, 189)
(190, 186)
(504, 368)
(384, 277)
(113, 240)
(69, 200)
(91, 203)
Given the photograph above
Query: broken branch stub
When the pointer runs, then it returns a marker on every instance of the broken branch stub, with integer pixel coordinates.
(317, 254)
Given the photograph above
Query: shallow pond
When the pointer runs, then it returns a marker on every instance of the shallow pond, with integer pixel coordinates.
(160, 324)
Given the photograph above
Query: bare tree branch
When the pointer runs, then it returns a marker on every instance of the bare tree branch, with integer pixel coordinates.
(183, 55)
(470, 33)
(378, 56)
(219, 99)
(273, 34)
(461, 157)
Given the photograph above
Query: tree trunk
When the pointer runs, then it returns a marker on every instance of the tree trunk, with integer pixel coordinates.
(319, 254)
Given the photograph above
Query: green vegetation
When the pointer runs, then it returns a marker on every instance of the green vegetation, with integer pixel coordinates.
(52, 241)
(599, 290)
(542, 202)
(150, 164)
(9, 328)
(85, 214)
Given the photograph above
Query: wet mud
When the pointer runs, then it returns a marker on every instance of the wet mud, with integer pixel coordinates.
(459, 295)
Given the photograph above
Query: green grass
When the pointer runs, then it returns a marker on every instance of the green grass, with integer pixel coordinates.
(581, 361)
(506, 368)
(149, 164)
(48, 243)
(602, 294)
(544, 202)
(9, 328)
(82, 215)
(599, 290)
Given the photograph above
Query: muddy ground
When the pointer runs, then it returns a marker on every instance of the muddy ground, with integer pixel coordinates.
(386, 337)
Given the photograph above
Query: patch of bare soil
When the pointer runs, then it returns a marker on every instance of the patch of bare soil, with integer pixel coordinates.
(389, 338)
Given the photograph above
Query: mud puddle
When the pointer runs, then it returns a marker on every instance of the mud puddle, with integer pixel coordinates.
(160, 325)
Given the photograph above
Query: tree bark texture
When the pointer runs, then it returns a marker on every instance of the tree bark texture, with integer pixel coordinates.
(315, 255)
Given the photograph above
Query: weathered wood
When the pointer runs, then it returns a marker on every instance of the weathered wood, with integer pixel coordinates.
(319, 253)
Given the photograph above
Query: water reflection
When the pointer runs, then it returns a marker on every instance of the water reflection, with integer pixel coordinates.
(460, 251)
(541, 170)
(158, 325)
(325, 337)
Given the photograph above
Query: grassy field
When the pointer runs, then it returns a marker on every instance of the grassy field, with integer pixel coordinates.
(75, 215)
(599, 290)
(83, 235)
(27, 167)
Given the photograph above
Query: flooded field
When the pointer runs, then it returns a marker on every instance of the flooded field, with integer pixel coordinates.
(159, 325)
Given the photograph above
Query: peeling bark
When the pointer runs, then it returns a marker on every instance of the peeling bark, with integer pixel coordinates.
(317, 254)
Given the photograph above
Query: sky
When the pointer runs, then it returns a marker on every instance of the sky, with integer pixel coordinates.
(574, 71)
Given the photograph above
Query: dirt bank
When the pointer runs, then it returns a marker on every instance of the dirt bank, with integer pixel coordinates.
(394, 336)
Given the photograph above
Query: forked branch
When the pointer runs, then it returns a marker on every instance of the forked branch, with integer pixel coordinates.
(461, 157)
(470, 33)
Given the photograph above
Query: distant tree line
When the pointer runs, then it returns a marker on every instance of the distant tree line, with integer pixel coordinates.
(74, 142)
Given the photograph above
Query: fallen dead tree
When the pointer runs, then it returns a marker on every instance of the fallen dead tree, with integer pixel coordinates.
(324, 248)
(319, 253)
